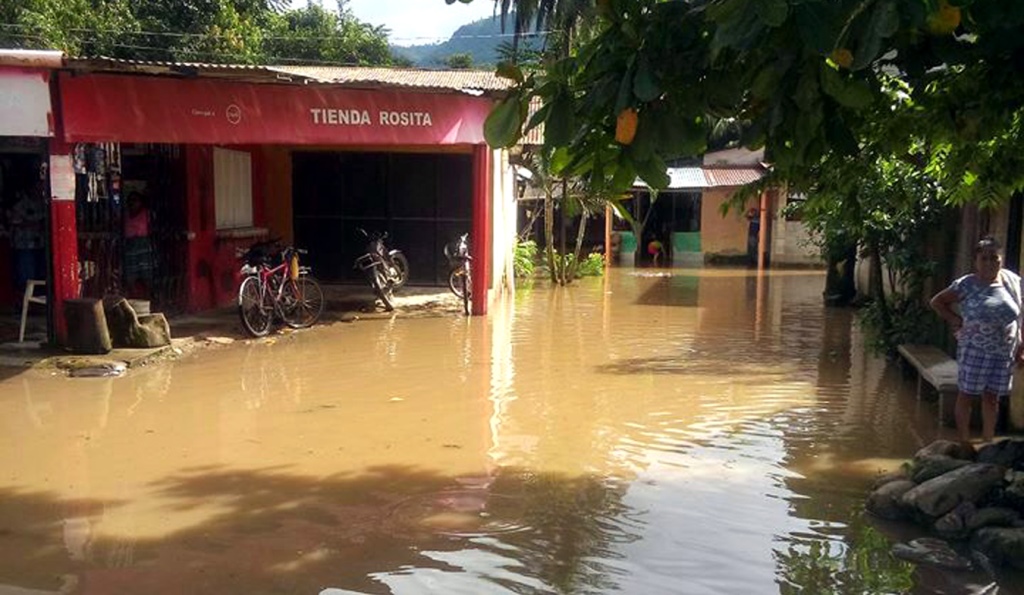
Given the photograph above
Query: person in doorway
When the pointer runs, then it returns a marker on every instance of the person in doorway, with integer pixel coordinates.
(138, 250)
(656, 250)
(984, 310)
(27, 219)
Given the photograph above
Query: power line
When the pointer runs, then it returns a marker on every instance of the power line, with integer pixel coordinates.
(208, 35)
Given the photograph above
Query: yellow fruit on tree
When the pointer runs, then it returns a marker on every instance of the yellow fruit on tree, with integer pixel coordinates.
(842, 56)
(625, 126)
(945, 20)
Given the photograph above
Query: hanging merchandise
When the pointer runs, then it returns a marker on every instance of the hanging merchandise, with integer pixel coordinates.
(80, 162)
(93, 195)
(115, 187)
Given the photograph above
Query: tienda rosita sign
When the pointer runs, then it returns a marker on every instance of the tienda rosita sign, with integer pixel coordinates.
(123, 108)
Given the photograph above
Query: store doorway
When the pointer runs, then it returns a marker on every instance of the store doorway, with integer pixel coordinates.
(422, 201)
(24, 221)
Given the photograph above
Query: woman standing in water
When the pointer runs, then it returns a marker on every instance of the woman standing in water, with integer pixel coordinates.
(988, 333)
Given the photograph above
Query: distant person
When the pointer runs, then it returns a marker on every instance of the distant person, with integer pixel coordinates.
(986, 322)
(138, 249)
(656, 250)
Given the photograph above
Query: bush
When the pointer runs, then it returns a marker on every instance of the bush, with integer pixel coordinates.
(910, 322)
(592, 265)
(525, 258)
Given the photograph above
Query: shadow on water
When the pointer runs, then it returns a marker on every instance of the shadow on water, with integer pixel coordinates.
(390, 529)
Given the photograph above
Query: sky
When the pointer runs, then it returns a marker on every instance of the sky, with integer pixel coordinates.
(415, 22)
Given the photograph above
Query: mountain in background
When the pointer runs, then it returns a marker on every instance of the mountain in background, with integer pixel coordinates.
(479, 39)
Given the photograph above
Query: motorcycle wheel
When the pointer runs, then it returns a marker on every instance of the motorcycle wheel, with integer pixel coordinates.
(399, 269)
(382, 287)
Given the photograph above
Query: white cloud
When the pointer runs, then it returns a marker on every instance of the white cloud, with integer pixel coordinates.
(414, 22)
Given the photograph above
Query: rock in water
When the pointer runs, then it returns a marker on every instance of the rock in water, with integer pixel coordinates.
(1001, 545)
(887, 501)
(940, 495)
(1005, 453)
(935, 552)
(946, 448)
(932, 466)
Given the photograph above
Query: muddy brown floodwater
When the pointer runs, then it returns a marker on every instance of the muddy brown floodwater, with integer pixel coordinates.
(699, 432)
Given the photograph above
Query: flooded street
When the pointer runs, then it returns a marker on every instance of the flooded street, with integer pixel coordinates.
(704, 432)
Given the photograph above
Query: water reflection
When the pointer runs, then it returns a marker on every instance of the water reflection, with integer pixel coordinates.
(699, 432)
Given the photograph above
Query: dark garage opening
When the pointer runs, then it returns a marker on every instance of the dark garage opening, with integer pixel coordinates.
(423, 201)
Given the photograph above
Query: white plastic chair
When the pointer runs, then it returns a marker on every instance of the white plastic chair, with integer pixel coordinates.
(30, 298)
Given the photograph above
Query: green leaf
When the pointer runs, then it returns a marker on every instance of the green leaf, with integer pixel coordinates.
(509, 70)
(646, 137)
(772, 12)
(885, 21)
(560, 123)
(502, 127)
(624, 175)
(847, 91)
(654, 172)
(560, 159)
(645, 87)
(766, 82)
(625, 95)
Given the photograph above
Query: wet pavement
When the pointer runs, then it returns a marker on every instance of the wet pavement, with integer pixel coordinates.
(695, 432)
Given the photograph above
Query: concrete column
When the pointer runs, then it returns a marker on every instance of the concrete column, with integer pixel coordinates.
(481, 236)
(64, 283)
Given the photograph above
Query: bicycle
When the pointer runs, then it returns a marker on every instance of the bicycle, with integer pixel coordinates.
(284, 291)
(460, 277)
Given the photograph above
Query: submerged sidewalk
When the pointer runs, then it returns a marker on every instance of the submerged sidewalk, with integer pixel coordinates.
(217, 328)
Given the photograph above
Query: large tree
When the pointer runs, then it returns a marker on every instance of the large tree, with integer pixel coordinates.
(933, 80)
(220, 31)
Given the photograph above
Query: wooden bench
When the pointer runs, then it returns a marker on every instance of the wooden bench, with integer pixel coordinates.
(937, 369)
(933, 366)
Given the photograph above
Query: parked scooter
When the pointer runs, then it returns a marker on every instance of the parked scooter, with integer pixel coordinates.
(385, 270)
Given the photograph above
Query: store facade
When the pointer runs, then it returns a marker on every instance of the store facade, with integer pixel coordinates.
(224, 156)
(27, 213)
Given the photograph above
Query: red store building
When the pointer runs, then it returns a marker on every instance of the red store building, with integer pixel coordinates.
(216, 157)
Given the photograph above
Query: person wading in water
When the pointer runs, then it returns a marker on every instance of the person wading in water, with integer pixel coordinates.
(988, 333)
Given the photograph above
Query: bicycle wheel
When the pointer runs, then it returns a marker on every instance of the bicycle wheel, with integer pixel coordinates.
(400, 270)
(455, 281)
(383, 289)
(303, 302)
(253, 309)
(467, 291)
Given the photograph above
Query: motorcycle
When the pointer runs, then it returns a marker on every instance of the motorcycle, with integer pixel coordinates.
(460, 274)
(385, 270)
(395, 263)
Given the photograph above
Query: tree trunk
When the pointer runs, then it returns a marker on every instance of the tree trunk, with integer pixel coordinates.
(549, 233)
(580, 234)
(878, 289)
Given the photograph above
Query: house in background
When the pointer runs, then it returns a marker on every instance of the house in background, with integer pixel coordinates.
(692, 220)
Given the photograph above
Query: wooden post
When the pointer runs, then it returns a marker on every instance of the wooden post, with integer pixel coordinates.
(762, 232)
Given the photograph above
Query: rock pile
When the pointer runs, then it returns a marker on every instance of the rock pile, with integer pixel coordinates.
(972, 497)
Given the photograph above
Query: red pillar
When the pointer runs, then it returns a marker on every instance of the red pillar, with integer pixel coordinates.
(481, 236)
(63, 236)
(200, 216)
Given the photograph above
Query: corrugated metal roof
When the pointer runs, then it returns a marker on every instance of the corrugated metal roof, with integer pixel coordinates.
(696, 178)
(451, 80)
(161, 67)
(681, 178)
(718, 177)
(469, 81)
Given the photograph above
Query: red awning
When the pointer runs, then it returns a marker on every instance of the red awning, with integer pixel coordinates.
(100, 108)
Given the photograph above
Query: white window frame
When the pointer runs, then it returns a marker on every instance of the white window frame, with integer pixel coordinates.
(232, 181)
